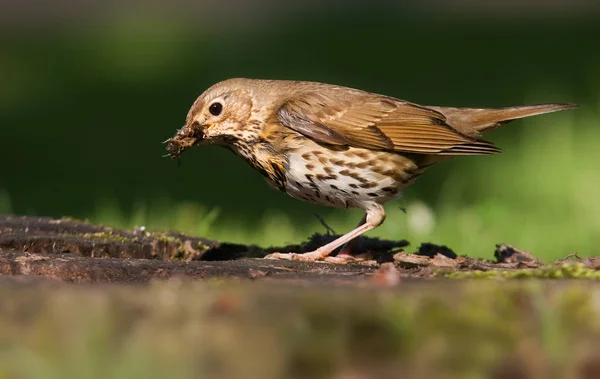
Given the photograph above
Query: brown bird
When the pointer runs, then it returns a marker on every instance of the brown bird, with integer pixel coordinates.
(337, 146)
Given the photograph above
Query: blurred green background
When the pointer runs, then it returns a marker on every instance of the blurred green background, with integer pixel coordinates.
(89, 91)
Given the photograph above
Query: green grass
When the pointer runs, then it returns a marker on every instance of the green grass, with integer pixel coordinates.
(539, 195)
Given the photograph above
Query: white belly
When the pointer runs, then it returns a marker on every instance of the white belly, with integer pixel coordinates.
(349, 178)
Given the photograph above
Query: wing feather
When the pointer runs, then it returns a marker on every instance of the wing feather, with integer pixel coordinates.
(362, 119)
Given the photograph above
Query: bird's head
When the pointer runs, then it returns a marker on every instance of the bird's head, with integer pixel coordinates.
(219, 115)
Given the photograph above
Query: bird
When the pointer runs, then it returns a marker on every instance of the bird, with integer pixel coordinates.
(337, 146)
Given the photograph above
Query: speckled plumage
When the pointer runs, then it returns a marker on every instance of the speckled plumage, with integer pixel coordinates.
(337, 146)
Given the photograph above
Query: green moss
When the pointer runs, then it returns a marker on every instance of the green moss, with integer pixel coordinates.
(107, 237)
(165, 237)
(180, 254)
(75, 220)
(562, 271)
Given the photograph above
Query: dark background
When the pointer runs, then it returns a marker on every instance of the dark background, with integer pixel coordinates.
(89, 91)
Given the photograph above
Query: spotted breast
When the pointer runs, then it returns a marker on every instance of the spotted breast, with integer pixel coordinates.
(346, 177)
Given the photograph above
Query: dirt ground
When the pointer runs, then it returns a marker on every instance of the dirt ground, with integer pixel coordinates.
(78, 251)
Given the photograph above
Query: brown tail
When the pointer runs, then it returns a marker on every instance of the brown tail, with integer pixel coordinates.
(474, 121)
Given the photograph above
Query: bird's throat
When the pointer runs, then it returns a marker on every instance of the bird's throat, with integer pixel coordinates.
(262, 157)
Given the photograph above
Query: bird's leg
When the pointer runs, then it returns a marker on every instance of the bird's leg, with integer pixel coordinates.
(374, 217)
(347, 248)
(324, 251)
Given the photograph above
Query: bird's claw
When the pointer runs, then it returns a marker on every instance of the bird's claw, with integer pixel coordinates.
(315, 257)
(306, 257)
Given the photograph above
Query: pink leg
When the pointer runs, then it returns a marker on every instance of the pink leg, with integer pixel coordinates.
(373, 218)
(347, 248)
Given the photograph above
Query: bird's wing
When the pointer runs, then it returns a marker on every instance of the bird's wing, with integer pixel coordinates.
(371, 121)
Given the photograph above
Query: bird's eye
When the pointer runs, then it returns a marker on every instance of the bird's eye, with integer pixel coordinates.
(215, 109)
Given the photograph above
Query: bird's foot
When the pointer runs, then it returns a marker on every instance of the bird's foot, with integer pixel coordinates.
(313, 256)
(365, 260)
(317, 256)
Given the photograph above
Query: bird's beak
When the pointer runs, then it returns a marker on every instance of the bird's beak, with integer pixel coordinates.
(186, 137)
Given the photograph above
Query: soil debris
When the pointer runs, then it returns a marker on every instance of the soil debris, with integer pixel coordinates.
(430, 250)
(589, 262)
(510, 254)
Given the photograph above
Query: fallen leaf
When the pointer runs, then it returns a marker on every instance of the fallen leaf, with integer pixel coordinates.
(440, 260)
(411, 260)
